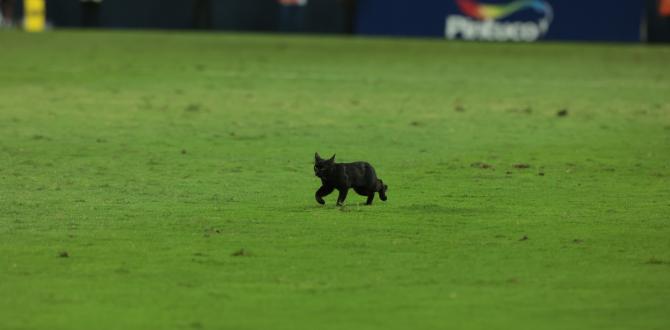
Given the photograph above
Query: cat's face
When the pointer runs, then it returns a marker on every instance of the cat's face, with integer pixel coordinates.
(322, 166)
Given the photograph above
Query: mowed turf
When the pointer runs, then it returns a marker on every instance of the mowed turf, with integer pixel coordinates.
(164, 181)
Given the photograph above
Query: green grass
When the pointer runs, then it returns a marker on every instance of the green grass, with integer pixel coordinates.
(151, 158)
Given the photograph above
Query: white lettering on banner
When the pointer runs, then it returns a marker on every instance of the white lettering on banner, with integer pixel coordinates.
(463, 27)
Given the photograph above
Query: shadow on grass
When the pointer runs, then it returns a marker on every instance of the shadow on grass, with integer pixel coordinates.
(442, 209)
(429, 208)
(333, 207)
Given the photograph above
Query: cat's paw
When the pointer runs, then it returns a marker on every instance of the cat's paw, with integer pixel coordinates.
(321, 201)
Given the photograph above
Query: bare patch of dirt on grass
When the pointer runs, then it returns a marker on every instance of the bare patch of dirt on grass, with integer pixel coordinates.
(241, 253)
(481, 165)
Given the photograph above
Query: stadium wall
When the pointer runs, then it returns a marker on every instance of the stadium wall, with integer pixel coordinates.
(322, 16)
(498, 20)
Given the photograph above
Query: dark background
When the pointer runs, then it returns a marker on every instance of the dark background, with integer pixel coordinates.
(321, 16)
(602, 20)
(593, 20)
(658, 27)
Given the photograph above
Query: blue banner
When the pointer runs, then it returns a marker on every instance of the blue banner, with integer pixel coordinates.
(503, 20)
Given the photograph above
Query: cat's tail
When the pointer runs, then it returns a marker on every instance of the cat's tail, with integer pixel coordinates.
(381, 189)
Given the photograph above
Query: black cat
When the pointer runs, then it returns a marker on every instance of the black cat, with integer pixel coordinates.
(358, 175)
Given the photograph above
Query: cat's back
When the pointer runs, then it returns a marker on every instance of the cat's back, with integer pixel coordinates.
(356, 165)
(359, 169)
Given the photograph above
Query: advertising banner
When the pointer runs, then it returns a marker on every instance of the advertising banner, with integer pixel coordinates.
(503, 20)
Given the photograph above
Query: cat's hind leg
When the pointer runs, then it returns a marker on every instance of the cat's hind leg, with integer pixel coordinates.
(369, 193)
(342, 196)
(322, 192)
(361, 191)
(371, 196)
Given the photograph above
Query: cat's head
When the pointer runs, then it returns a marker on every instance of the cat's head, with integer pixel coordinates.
(322, 166)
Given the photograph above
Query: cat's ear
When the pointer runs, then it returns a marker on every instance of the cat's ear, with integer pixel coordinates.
(332, 159)
(317, 157)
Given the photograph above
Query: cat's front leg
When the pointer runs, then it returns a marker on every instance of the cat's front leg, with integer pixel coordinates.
(342, 196)
(322, 192)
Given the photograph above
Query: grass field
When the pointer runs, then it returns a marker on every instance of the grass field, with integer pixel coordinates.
(133, 167)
